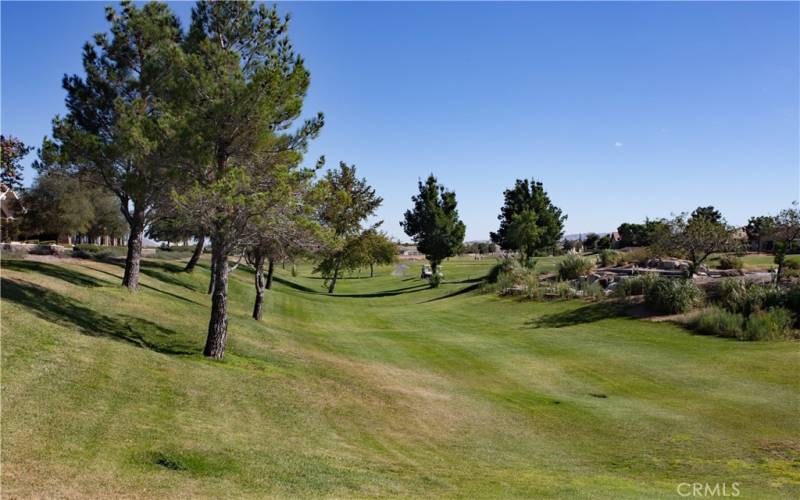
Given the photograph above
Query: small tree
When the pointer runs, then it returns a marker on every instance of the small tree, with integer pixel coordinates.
(590, 241)
(346, 204)
(12, 151)
(694, 237)
(709, 213)
(433, 223)
(524, 233)
(785, 231)
(377, 249)
(604, 243)
(530, 195)
(757, 228)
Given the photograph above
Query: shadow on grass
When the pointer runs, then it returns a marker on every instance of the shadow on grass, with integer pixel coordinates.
(582, 315)
(142, 285)
(58, 308)
(382, 293)
(167, 278)
(460, 291)
(58, 272)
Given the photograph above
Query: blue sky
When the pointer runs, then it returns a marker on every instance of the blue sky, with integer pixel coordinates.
(623, 110)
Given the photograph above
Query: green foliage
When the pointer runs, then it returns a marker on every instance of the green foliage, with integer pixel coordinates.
(604, 242)
(673, 296)
(346, 203)
(435, 280)
(574, 266)
(708, 213)
(433, 222)
(59, 205)
(97, 252)
(634, 285)
(771, 324)
(730, 262)
(639, 255)
(590, 241)
(610, 258)
(695, 237)
(735, 295)
(529, 197)
(719, 322)
(12, 151)
(592, 290)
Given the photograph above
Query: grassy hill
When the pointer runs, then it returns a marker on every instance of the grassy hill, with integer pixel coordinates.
(387, 388)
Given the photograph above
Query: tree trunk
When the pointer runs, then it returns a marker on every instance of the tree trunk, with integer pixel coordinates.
(198, 251)
(434, 267)
(213, 273)
(134, 257)
(270, 271)
(260, 286)
(218, 324)
(335, 275)
(371, 270)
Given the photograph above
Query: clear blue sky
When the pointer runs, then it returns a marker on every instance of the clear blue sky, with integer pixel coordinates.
(623, 110)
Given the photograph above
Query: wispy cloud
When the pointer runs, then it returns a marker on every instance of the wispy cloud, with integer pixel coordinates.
(617, 144)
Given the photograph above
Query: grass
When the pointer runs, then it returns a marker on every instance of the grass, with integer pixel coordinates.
(754, 261)
(387, 388)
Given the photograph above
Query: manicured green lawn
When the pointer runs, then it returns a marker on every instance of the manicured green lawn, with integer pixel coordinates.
(761, 261)
(387, 388)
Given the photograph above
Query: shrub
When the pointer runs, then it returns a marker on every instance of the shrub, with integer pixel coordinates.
(435, 280)
(634, 285)
(504, 265)
(673, 296)
(638, 255)
(561, 290)
(719, 322)
(730, 262)
(574, 266)
(87, 251)
(591, 290)
(610, 258)
(772, 324)
(739, 297)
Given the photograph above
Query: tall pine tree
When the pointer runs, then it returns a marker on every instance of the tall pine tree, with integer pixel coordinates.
(120, 126)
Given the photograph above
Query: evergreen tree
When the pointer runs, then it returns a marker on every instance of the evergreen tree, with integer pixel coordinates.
(530, 196)
(119, 126)
(245, 88)
(433, 223)
(347, 202)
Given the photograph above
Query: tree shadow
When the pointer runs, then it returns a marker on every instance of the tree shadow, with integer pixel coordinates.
(460, 291)
(295, 286)
(582, 315)
(383, 293)
(57, 308)
(167, 278)
(59, 272)
(142, 285)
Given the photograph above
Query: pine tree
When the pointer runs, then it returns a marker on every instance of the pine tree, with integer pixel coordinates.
(433, 223)
(529, 196)
(120, 126)
(245, 87)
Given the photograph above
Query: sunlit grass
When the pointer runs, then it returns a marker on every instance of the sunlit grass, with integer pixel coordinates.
(387, 388)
